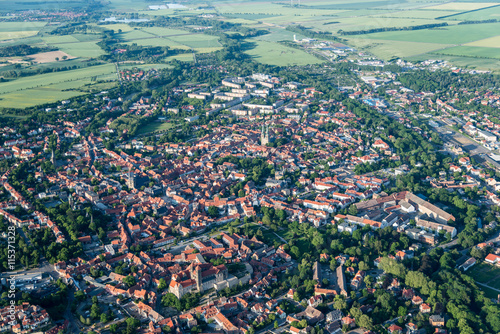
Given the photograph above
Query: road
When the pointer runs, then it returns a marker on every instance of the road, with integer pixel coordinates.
(45, 268)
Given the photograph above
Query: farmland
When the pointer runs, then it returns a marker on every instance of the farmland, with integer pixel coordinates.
(468, 45)
(51, 87)
(277, 54)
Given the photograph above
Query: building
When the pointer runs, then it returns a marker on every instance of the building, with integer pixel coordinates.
(202, 277)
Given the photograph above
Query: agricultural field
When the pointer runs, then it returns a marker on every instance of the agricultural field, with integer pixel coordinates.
(48, 57)
(51, 87)
(492, 42)
(457, 34)
(173, 38)
(280, 55)
(81, 49)
(470, 51)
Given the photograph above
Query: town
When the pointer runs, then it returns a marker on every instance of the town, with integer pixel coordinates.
(262, 205)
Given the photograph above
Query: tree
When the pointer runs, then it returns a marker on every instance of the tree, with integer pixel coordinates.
(365, 322)
(213, 211)
(94, 311)
(340, 304)
(162, 284)
(353, 210)
(276, 325)
(129, 280)
(241, 193)
(104, 318)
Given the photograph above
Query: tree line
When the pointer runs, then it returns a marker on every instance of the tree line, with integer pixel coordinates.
(375, 30)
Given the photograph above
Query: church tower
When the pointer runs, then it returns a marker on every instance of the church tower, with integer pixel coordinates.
(264, 137)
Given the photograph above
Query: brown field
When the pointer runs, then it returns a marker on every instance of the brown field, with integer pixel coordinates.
(48, 57)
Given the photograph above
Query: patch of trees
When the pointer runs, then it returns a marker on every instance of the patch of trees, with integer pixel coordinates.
(478, 21)
(257, 169)
(187, 301)
(70, 29)
(21, 50)
(299, 29)
(375, 30)
(443, 80)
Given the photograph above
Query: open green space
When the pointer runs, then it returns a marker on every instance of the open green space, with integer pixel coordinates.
(181, 57)
(135, 34)
(277, 54)
(34, 97)
(25, 5)
(21, 26)
(492, 42)
(155, 126)
(197, 41)
(457, 34)
(481, 14)
(387, 49)
(483, 273)
(489, 293)
(471, 51)
(55, 78)
(81, 49)
(160, 31)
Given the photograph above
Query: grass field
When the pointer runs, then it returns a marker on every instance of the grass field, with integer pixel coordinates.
(280, 55)
(21, 26)
(197, 41)
(492, 42)
(457, 34)
(181, 57)
(471, 51)
(160, 31)
(483, 14)
(484, 273)
(55, 78)
(461, 6)
(81, 49)
(6, 35)
(155, 126)
(34, 97)
(390, 49)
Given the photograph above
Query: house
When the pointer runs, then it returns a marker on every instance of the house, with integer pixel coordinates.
(394, 329)
(493, 259)
(411, 327)
(467, 264)
(348, 321)
(436, 320)
(425, 308)
(335, 315)
(417, 300)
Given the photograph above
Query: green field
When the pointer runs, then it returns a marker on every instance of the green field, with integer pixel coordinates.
(155, 126)
(181, 57)
(492, 42)
(484, 273)
(81, 49)
(280, 55)
(197, 41)
(457, 34)
(51, 87)
(34, 97)
(471, 51)
(21, 26)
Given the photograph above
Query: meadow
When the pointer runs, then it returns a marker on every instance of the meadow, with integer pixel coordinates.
(155, 126)
(471, 51)
(51, 87)
(280, 55)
